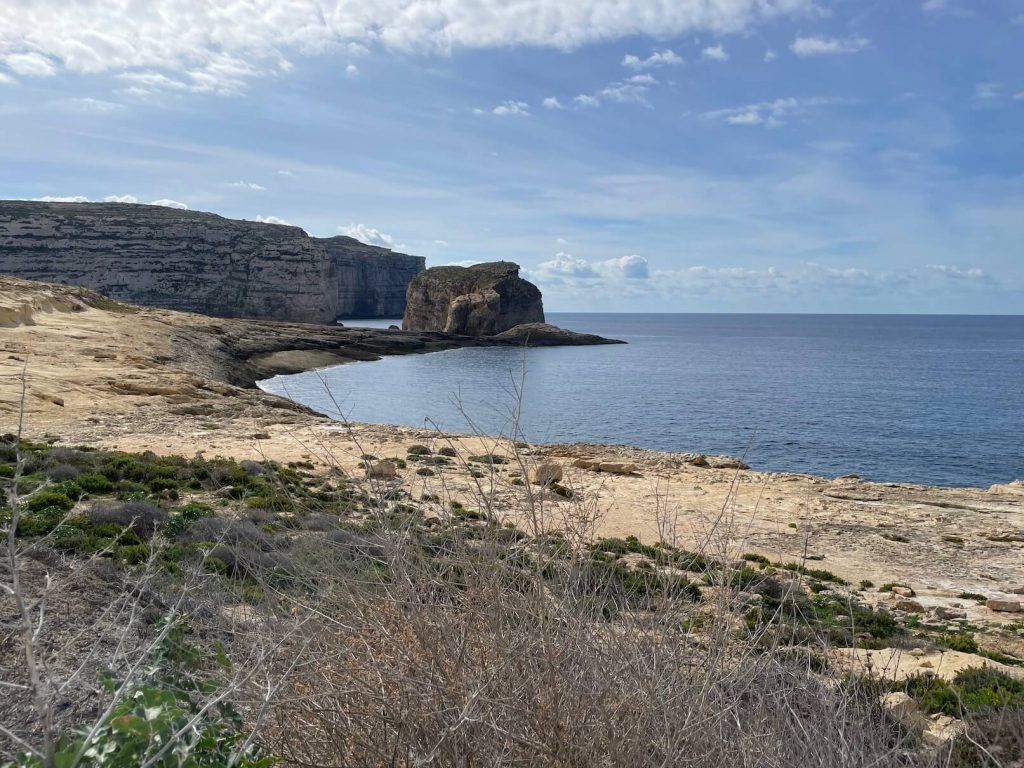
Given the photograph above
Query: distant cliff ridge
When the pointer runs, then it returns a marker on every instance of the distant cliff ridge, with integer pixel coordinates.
(201, 262)
(371, 281)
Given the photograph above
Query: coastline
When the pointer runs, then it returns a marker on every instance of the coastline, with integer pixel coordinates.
(110, 376)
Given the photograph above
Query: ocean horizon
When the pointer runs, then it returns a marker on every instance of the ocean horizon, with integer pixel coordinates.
(930, 399)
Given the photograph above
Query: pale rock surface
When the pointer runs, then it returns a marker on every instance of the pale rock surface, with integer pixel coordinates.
(381, 470)
(545, 473)
(1003, 606)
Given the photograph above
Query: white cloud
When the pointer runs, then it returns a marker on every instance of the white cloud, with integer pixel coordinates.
(89, 104)
(1019, 96)
(565, 266)
(714, 53)
(827, 46)
(289, 174)
(584, 101)
(272, 220)
(958, 273)
(512, 108)
(108, 199)
(29, 64)
(248, 185)
(150, 79)
(351, 71)
(369, 235)
(770, 114)
(657, 59)
(624, 93)
(218, 47)
(442, 243)
(551, 102)
(987, 91)
(6, 79)
(750, 117)
(644, 79)
(934, 6)
(770, 56)
(463, 263)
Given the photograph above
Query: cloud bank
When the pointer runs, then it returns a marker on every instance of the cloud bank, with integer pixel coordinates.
(209, 45)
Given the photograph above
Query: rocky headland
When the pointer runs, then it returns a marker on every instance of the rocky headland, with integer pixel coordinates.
(106, 374)
(481, 300)
(201, 262)
(898, 581)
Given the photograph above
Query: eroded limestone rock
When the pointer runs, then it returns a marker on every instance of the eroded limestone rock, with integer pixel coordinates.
(482, 300)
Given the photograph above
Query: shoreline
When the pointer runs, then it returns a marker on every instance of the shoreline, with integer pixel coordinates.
(143, 379)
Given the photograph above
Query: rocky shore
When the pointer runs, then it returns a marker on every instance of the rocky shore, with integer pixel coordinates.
(109, 375)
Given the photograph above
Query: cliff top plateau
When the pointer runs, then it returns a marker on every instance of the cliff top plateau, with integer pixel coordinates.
(202, 262)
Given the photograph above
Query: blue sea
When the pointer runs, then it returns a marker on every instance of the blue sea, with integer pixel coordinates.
(922, 399)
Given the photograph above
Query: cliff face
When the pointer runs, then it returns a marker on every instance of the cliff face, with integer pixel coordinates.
(198, 262)
(371, 281)
(482, 300)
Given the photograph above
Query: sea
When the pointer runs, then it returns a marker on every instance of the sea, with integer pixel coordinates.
(937, 400)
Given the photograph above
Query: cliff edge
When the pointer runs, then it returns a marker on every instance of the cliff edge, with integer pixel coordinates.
(202, 262)
(482, 300)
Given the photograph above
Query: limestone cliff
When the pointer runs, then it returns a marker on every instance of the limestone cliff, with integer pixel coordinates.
(371, 281)
(482, 300)
(201, 262)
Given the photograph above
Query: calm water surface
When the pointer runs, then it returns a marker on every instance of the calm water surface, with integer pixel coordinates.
(927, 399)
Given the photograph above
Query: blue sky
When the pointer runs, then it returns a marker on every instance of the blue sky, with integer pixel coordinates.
(631, 155)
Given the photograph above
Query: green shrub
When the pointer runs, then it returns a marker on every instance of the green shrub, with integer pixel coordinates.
(50, 498)
(418, 450)
(425, 471)
(974, 691)
(488, 459)
(162, 723)
(972, 596)
(183, 517)
(93, 482)
(960, 641)
(134, 554)
(448, 451)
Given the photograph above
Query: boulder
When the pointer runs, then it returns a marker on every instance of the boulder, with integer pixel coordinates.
(949, 614)
(618, 467)
(904, 592)
(908, 606)
(545, 473)
(1016, 487)
(585, 463)
(381, 470)
(1003, 606)
(482, 300)
(905, 711)
(726, 462)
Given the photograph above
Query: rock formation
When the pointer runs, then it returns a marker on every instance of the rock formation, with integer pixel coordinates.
(201, 262)
(482, 300)
(371, 281)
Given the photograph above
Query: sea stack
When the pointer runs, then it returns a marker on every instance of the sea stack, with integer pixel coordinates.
(482, 300)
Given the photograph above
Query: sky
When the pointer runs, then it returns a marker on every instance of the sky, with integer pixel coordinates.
(630, 155)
